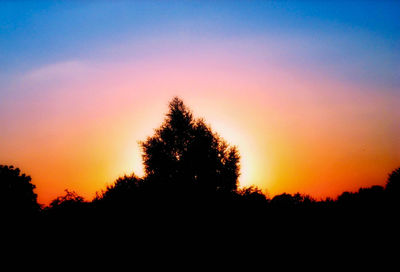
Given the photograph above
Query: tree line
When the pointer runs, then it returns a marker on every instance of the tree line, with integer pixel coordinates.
(189, 170)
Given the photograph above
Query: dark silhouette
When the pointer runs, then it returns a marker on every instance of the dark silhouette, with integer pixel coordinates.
(128, 194)
(17, 197)
(370, 198)
(68, 205)
(185, 153)
(292, 201)
(187, 167)
(125, 189)
(192, 173)
(393, 182)
(392, 189)
(252, 195)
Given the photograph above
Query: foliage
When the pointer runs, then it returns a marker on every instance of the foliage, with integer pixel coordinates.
(67, 206)
(70, 199)
(16, 192)
(252, 194)
(189, 168)
(291, 201)
(185, 153)
(393, 182)
(123, 188)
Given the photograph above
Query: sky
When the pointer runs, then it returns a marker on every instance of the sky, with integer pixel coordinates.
(309, 91)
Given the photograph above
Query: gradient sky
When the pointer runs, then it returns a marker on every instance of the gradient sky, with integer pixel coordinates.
(309, 91)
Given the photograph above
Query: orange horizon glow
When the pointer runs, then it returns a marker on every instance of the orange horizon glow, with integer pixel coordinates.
(295, 132)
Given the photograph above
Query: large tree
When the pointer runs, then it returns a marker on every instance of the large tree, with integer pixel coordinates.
(185, 153)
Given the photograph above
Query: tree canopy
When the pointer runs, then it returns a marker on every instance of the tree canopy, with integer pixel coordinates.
(185, 152)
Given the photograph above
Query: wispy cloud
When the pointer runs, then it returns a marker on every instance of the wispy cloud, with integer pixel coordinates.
(59, 70)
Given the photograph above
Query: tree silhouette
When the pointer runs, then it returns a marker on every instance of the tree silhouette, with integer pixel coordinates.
(393, 182)
(16, 192)
(191, 172)
(185, 153)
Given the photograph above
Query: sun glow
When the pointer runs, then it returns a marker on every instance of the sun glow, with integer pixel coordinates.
(311, 110)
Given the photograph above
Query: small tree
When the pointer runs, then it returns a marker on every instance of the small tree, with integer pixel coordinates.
(185, 153)
(16, 192)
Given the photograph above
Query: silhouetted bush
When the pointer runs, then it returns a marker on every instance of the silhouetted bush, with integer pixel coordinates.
(69, 205)
(127, 195)
(124, 190)
(292, 201)
(252, 195)
(347, 199)
(17, 197)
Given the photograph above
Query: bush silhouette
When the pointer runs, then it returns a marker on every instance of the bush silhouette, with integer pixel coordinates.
(252, 196)
(292, 201)
(185, 154)
(70, 204)
(70, 199)
(127, 193)
(16, 192)
(123, 189)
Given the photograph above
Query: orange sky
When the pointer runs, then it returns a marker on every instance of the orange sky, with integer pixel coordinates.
(296, 132)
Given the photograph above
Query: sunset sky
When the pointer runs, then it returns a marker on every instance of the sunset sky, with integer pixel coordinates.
(309, 91)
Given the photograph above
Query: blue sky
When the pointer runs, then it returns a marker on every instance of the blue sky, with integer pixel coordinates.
(357, 39)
